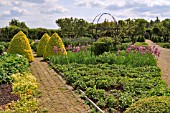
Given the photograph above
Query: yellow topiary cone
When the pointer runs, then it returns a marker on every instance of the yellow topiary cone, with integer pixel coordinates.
(54, 46)
(20, 45)
(41, 46)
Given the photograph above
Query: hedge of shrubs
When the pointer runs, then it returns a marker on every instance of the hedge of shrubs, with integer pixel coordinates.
(153, 104)
(7, 33)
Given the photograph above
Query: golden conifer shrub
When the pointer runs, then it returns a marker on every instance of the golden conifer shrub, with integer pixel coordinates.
(54, 46)
(42, 44)
(20, 45)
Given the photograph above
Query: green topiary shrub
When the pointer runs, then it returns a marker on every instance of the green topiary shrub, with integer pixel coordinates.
(54, 46)
(102, 45)
(42, 44)
(140, 39)
(153, 104)
(20, 45)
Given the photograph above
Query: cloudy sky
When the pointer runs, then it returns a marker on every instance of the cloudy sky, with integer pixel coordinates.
(43, 13)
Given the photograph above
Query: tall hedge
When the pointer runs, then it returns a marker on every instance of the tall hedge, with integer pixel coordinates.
(42, 44)
(153, 104)
(54, 46)
(20, 45)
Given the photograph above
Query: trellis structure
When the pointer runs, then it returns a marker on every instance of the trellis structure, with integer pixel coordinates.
(95, 28)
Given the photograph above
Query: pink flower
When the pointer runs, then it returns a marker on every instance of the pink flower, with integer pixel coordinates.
(118, 52)
(62, 50)
(55, 49)
(158, 53)
(69, 47)
(143, 52)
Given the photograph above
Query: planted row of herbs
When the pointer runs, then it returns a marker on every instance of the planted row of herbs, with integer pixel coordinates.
(136, 59)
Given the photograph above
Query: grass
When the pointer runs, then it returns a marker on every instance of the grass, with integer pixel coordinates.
(141, 44)
(164, 44)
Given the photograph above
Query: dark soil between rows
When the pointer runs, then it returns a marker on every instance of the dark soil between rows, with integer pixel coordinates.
(6, 95)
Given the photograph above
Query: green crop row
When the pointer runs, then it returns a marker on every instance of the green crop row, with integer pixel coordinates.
(11, 64)
(114, 87)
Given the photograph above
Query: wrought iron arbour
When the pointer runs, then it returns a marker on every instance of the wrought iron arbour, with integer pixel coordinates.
(113, 30)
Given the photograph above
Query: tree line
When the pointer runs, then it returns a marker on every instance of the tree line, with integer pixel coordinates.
(77, 28)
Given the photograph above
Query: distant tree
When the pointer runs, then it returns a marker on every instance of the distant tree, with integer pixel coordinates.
(15, 22)
(157, 20)
(72, 27)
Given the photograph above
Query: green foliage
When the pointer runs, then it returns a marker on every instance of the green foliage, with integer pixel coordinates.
(102, 45)
(134, 59)
(42, 44)
(34, 45)
(20, 45)
(77, 41)
(15, 22)
(141, 44)
(123, 46)
(140, 39)
(2, 48)
(5, 44)
(95, 94)
(8, 32)
(11, 64)
(166, 45)
(114, 86)
(79, 57)
(153, 104)
(26, 87)
(55, 41)
(72, 27)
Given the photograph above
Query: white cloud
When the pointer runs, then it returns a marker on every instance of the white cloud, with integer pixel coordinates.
(32, 11)
(57, 9)
(34, 1)
(16, 3)
(15, 11)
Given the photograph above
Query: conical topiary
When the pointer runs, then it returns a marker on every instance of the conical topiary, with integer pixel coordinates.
(54, 46)
(41, 46)
(20, 45)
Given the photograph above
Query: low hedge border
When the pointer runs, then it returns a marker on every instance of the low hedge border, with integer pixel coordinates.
(155, 104)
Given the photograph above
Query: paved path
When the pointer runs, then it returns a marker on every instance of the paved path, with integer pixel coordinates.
(163, 61)
(56, 97)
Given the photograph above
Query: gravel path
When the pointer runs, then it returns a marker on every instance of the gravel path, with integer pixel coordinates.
(55, 97)
(163, 61)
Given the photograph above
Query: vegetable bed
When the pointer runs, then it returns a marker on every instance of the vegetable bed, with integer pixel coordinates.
(114, 87)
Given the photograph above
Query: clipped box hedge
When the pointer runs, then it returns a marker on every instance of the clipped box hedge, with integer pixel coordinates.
(155, 104)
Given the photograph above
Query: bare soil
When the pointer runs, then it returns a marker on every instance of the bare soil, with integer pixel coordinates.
(6, 95)
(163, 61)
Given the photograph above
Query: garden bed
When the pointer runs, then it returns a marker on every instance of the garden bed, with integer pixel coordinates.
(6, 95)
(114, 86)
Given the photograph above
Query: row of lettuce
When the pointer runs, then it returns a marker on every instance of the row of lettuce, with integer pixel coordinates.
(14, 70)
